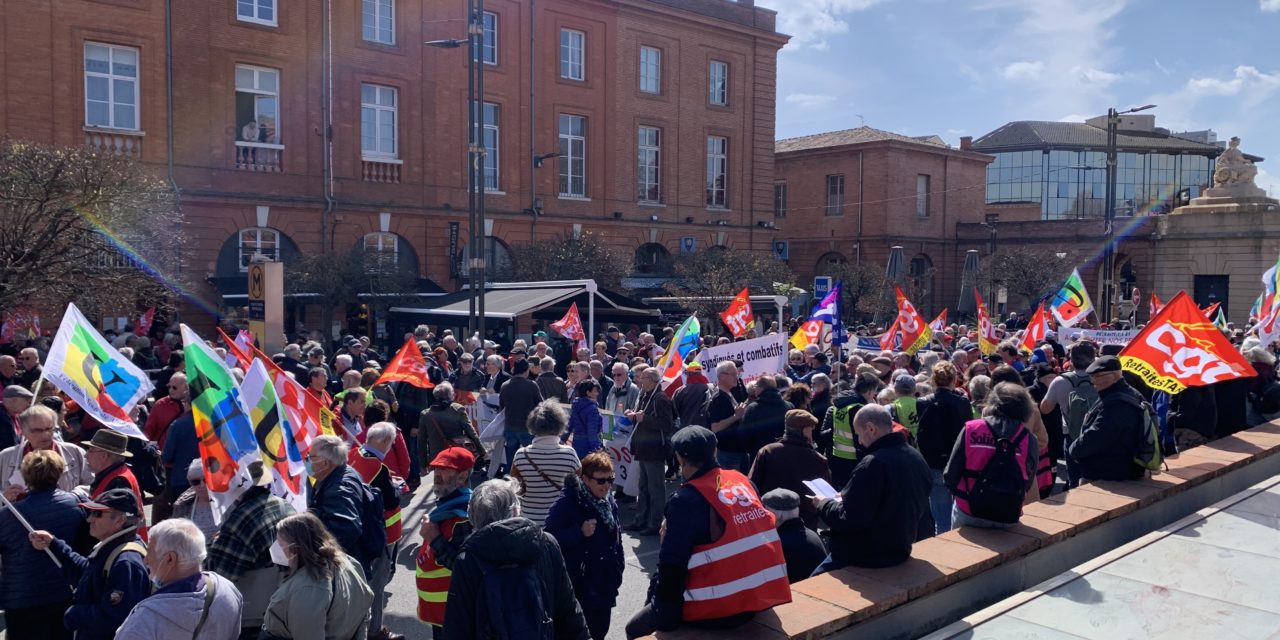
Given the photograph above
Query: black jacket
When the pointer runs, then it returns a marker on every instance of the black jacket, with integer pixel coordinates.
(103, 598)
(942, 415)
(515, 541)
(764, 420)
(691, 404)
(1110, 435)
(337, 501)
(879, 516)
(595, 564)
(802, 548)
(552, 387)
(518, 398)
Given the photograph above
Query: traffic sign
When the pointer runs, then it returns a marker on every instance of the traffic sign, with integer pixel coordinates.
(821, 287)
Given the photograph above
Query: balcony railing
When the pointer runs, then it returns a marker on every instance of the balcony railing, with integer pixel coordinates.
(120, 142)
(385, 170)
(259, 156)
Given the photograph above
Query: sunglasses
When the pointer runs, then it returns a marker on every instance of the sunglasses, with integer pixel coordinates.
(603, 481)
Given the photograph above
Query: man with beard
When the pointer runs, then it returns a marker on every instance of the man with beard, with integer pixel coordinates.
(444, 531)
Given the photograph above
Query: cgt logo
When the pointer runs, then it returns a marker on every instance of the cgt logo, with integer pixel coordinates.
(736, 494)
(1186, 361)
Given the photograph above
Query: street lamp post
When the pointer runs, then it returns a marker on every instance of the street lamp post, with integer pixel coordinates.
(475, 161)
(1108, 228)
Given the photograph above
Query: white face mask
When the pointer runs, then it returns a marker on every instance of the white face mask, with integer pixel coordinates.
(278, 555)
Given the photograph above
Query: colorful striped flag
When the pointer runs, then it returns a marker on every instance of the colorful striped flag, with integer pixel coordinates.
(1071, 303)
(685, 341)
(307, 415)
(86, 367)
(223, 427)
(274, 432)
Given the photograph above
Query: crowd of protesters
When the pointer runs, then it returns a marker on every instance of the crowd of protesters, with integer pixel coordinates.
(911, 445)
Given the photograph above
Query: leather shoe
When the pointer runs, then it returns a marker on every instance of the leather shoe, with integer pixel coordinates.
(385, 634)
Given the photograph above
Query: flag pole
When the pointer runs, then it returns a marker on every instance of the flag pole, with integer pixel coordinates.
(5, 504)
(36, 392)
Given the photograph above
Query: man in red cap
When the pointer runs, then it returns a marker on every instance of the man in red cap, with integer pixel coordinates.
(444, 530)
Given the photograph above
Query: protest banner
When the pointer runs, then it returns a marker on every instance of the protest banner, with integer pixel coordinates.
(1120, 337)
(759, 356)
(617, 441)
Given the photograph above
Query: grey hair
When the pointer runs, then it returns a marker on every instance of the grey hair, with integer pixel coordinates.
(1008, 400)
(615, 366)
(180, 536)
(547, 419)
(381, 432)
(726, 366)
(979, 387)
(820, 379)
(492, 501)
(495, 359)
(1259, 354)
(292, 350)
(443, 391)
(875, 415)
(342, 357)
(547, 363)
(928, 359)
(37, 410)
(196, 466)
(331, 448)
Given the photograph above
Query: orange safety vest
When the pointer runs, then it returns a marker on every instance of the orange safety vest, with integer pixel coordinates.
(433, 579)
(123, 471)
(369, 466)
(744, 570)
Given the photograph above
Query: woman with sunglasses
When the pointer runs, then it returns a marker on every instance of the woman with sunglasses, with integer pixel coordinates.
(194, 504)
(585, 523)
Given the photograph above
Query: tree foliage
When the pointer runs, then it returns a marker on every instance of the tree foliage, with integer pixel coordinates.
(565, 257)
(1025, 272)
(718, 274)
(336, 279)
(87, 226)
(864, 291)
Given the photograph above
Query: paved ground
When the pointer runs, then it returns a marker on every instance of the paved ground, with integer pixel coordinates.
(642, 557)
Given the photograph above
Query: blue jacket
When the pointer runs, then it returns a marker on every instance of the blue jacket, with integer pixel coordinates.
(585, 423)
(337, 502)
(103, 598)
(595, 564)
(180, 448)
(29, 578)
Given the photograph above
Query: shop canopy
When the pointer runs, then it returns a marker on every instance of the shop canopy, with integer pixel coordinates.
(510, 300)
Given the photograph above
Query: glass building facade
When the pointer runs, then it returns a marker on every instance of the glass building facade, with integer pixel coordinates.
(1073, 184)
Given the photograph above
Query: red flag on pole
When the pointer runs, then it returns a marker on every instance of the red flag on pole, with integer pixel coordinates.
(408, 366)
(1036, 330)
(1156, 305)
(738, 317)
(1207, 311)
(570, 326)
(1182, 348)
(144, 323)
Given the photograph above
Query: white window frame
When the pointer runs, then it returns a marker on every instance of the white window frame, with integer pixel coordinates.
(492, 153)
(573, 154)
(111, 77)
(644, 186)
(568, 63)
(383, 261)
(718, 83)
(922, 195)
(380, 112)
(717, 167)
(258, 234)
(377, 20)
(489, 38)
(255, 90)
(835, 194)
(650, 70)
(257, 6)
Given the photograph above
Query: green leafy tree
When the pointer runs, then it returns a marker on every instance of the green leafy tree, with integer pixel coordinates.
(1025, 273)
(337, 279)
(87, 226)
(565, 257)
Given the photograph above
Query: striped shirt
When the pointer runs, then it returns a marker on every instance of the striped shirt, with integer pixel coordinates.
(555, 461)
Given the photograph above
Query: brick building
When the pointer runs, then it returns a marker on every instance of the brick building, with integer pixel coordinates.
(321, 127)
(849, 196)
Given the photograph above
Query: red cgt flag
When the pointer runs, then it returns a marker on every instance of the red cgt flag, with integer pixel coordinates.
(1037, 329)
(915, 332)
(408, 366)
(570, 326)
(738, 316)
(1156, 305)
(144, 322)
(1181, 348)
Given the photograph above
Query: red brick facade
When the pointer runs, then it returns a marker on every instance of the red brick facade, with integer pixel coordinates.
(879, 207)
(42, 97)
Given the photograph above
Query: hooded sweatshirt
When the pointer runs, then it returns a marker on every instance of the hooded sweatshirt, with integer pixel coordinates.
(174, 611)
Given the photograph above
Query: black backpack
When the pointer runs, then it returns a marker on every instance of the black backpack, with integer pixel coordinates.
(522, 614)
(146, 465)
(998, 490)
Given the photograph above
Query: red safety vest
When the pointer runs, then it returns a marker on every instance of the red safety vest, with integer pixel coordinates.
(979, 448)
(433, 579)
(368, 466)
(744, 570)
(123, 471)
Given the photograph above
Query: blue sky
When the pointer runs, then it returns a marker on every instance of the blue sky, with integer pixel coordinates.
(965, 67)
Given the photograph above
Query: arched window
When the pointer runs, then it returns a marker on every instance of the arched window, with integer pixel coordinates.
(497, 260)
(829, 262)
(258, 240)
(922, 282)
(653, 259)
(382, 251)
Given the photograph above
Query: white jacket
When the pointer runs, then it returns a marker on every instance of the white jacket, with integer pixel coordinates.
(76, 474)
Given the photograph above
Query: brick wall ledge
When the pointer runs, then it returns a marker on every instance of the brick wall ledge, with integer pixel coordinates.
(964, 570)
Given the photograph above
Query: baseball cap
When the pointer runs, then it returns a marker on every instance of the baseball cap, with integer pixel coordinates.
(456, 458)
(693, 367)
(121, 500)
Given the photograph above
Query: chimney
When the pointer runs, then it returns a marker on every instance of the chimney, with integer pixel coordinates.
(966, 143)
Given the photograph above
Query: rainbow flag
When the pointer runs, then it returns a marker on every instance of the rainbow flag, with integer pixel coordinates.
(223, 425)
(273, 428)
(86, 367)
(685, 341)
(1071, 303)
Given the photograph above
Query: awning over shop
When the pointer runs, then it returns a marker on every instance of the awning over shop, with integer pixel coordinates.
(503, 304)
(235, 290)
(542, 300)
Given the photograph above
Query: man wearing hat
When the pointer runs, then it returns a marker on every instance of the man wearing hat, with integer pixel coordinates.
(16, 400)
(1112, 431)
(113, 578)
(612, 339)
(801, 546)
(443, 531)
(745, 546)
(787, 463)
(106, 456)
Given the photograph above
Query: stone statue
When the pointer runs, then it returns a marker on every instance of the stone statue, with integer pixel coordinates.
(1233, 169)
